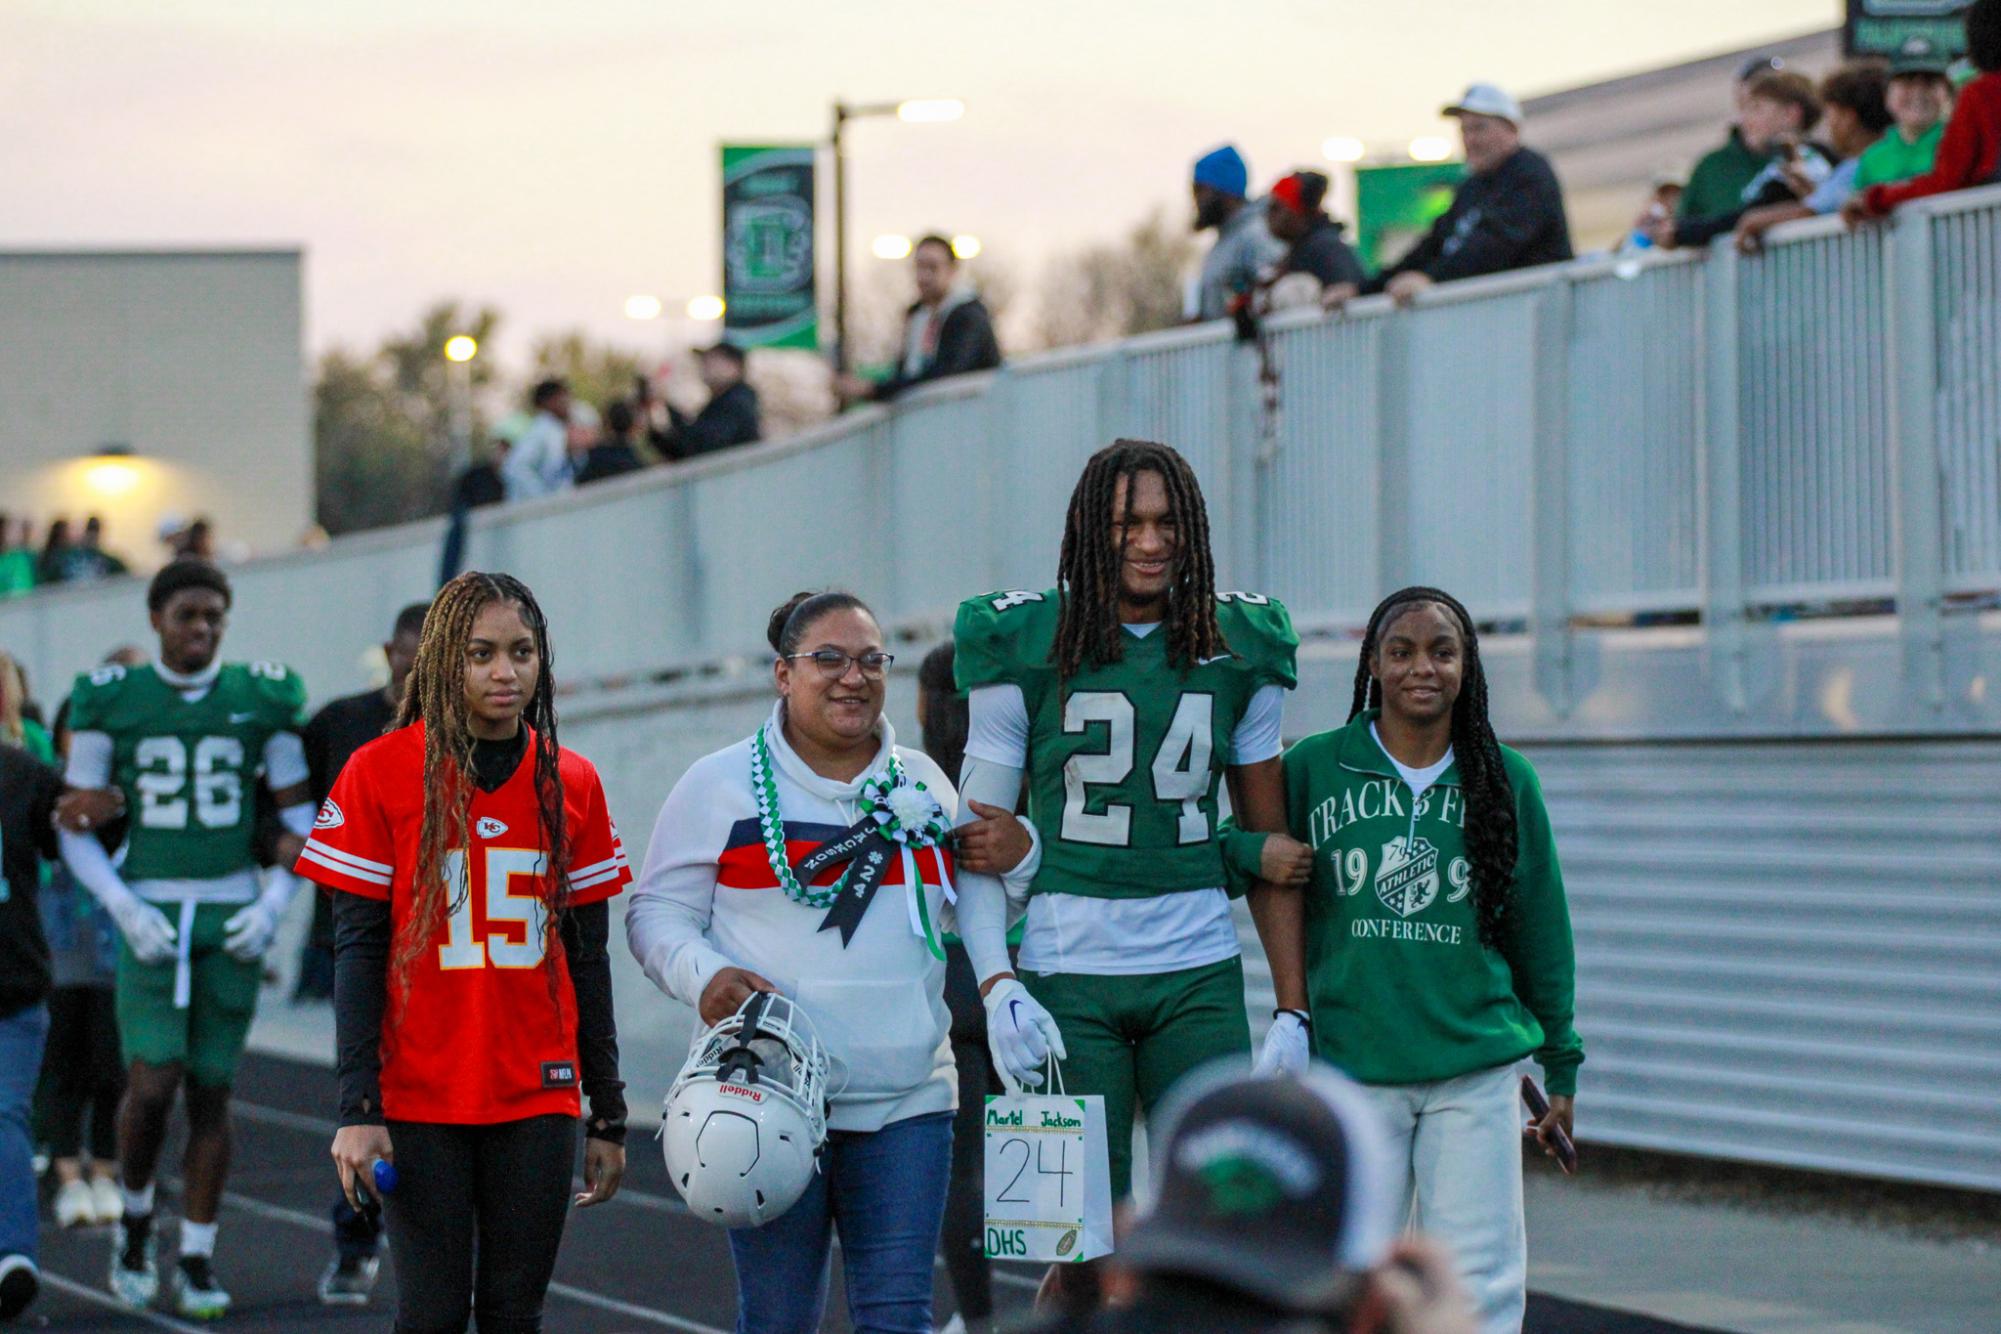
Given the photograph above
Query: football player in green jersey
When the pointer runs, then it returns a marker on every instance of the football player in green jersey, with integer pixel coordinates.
(1127, 695)
(180, 743)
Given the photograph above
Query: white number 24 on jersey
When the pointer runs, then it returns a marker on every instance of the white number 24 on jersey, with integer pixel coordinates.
(1180, 767)
(463, 947)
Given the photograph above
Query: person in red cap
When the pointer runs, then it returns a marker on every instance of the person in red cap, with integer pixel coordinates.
(1313, 240)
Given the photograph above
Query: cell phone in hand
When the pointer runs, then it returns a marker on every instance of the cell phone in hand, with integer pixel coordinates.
(1559, 1143)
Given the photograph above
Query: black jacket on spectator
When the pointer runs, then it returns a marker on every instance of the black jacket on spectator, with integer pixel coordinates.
(1508, 218)
(478, 485)
(608, 458)
(966, 343)
(730, 418)
(28, 792)
(1323, 253)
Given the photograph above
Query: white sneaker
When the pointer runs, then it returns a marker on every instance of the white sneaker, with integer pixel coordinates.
(956, 1325)
(348, 1281)
(197, 1294)
(76, 1206)
(135, 1267)
(110, 1200)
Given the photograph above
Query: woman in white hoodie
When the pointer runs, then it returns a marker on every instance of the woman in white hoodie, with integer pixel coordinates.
(719, 913)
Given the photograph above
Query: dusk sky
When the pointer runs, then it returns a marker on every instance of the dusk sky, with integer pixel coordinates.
(552, 159)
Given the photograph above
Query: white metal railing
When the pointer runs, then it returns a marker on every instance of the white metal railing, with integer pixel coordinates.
(1684, 433)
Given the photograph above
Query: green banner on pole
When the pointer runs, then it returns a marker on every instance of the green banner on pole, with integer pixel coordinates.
(768, 271)
(1905, 27)
(1396, 204)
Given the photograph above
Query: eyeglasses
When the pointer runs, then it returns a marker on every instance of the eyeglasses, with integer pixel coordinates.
(833, 663)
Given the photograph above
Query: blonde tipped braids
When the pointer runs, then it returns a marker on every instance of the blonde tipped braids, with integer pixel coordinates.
(436, 697)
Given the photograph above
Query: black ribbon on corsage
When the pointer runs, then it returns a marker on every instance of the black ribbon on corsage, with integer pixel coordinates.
(871, 855)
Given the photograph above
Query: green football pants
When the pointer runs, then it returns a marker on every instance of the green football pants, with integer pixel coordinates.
(1129, 1037)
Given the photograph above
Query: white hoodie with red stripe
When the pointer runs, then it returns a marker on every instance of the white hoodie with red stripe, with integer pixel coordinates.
(708, 899)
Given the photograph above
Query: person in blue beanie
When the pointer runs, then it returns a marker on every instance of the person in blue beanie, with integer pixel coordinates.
(1244, 244)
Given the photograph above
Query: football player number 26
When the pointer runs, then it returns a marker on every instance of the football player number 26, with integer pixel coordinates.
(1180, 767)
(514, 925)
(165, 798)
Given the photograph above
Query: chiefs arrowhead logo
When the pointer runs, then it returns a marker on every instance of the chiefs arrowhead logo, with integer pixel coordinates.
(329, 816)
(488, 827)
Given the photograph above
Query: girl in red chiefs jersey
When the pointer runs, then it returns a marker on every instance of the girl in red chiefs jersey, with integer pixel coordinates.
(472, 991)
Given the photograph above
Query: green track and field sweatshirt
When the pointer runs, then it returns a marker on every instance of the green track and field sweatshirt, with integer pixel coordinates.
(1401, 988)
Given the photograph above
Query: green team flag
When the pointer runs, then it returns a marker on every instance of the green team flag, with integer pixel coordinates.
(768, 271)
(1396, 204)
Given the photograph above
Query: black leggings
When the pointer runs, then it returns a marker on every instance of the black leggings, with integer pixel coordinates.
(499, 1191)
(963, 1237)
(82, 1072)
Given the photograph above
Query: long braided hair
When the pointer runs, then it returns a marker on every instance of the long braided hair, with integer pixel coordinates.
(1491, 836)
(436, 697)
(1089, 569)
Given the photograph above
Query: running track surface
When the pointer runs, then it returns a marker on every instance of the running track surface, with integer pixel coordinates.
(638, 1263)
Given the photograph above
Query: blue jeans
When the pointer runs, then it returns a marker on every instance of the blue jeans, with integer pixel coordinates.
(885, 1192)
(21, 1036)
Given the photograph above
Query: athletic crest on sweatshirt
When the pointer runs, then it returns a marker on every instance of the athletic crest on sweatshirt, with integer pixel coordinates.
(1407, 877)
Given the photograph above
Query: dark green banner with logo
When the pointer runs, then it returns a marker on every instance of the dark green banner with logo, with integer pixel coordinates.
(768, 286)
(1905, 27)
(1396, 204)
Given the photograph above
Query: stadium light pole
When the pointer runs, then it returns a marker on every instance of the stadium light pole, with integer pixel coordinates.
(913, 111)
(459, 351)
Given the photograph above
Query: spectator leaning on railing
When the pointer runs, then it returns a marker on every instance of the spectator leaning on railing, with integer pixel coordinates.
(1716, 185)
(730, 417)
(1244, 245)
(1315, 250)
(1779, 111)
(1508, 213)
(539, 462)
(1919, 97)
(1856, 118)
(613, 454)
(1969, 152)
(946, 331)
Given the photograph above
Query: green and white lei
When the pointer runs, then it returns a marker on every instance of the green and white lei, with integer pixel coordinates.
(905, 814)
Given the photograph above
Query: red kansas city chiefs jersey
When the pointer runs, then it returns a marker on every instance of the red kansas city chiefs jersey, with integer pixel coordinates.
(476, 1037)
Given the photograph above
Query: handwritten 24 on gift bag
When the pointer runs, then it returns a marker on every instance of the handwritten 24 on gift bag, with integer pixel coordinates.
(1048, 1178)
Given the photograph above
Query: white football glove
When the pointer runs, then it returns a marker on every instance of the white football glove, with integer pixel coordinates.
(148, 933)
(249, 931)
(1287, 1047)
(1020, 1035)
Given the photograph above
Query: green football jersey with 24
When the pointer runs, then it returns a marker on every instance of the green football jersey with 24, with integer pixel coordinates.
(188, 769)
(1125, 761)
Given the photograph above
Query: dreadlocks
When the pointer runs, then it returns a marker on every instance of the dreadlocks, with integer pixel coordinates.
(436, 697)
(1491, 843)
(1088, 574)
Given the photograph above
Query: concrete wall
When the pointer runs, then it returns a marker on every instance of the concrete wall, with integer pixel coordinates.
(194, 360)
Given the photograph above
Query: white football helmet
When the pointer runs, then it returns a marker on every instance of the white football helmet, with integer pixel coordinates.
(747, 1116)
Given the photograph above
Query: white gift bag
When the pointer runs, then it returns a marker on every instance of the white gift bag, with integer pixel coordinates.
(1048, 1178)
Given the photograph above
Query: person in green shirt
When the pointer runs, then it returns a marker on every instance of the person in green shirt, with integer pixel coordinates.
(1438, 946)
(1920, 96)
(17, 558)
(1716, 183)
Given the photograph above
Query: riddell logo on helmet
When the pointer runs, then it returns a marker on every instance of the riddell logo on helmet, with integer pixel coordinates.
(738, 1091)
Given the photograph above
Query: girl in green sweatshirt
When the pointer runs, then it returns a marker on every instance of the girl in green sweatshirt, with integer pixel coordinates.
(1437, 939)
